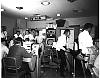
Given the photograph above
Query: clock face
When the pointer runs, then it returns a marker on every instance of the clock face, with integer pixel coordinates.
(50, 41)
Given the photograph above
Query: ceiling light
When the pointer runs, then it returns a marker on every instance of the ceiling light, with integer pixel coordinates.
(58, 14)
(45, 3)
(2, 10)
(19, 8)
(71, 0)
(26, 18)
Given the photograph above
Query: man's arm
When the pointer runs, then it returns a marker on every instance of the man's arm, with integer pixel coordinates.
(25, 54)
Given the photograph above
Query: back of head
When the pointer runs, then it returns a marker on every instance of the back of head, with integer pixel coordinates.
(87, 26)
(3, 40)
(66, 31)
(18, 40)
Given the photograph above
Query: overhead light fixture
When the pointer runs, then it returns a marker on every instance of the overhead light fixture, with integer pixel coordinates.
(58, 14)
(26, 18)
(2, 10)
(71, 0)
(19, 8)
(45, 2)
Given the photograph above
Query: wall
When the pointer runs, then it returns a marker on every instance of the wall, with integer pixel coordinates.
(9, 22)
(12, 23)
(71, 21)
(83, 20)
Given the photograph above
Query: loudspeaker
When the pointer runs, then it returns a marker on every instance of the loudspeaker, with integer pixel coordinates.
(60, 22)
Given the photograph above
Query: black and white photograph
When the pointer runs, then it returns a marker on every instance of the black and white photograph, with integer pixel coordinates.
(49, 39)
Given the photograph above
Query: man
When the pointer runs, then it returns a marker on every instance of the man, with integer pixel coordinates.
(26, 34)
(32, 35)
(4, 49)
(85, 40)
(4, 34)
(19, 53)
(18, 35)
(61, 48)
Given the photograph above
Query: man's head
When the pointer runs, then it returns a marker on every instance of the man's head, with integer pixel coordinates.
(26, 32)
(37, 33)
(3, 41)
(88, 27)
(18, 40)
(67, 32)
(18, 32)
(33, 32)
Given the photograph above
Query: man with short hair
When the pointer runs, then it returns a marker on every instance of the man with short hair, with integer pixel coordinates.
(85, 40)
(18, 34)
(4, 49)
(61, 48)
(19, 53)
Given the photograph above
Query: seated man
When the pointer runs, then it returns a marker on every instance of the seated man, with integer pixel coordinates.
(4, 49)
(19, 53)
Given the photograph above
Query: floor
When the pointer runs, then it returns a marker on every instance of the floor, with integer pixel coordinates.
(53, 73)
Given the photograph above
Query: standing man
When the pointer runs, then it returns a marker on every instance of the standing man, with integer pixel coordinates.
(61, 48)
(85, 40)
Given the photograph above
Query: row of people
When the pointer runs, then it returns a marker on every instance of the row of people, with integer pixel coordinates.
(33, 35)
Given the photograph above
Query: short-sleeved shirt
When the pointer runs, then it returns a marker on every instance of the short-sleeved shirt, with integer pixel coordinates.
(18, 36)
(4, 50)
(61, 42)
(85, 40)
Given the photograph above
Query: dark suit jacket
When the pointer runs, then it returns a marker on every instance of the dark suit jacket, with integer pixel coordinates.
(18, 52)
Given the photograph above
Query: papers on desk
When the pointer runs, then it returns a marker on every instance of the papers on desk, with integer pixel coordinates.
(27, 59)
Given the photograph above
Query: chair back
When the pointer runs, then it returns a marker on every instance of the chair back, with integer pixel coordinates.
(10, 63)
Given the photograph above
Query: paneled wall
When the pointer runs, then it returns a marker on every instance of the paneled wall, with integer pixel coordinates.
(9, 22)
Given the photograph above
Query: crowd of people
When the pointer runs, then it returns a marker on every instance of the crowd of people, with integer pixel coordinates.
(17, 46)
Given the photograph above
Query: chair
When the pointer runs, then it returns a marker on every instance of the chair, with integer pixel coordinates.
(11, 68)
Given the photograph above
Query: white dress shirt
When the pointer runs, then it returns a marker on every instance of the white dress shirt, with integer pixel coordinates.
(31, 37)
(4, 50)
(85, 40)
(26, 36)
(61, 42)
(18, 36)
(39, 39)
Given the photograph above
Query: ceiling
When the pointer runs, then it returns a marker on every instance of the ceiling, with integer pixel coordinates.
(67, 9)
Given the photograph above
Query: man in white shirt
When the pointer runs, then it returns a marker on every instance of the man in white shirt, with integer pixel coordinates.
(4, 49)
(61, 48)
(18, 35)
(26, 34)
(32, 35)
(85, 40)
